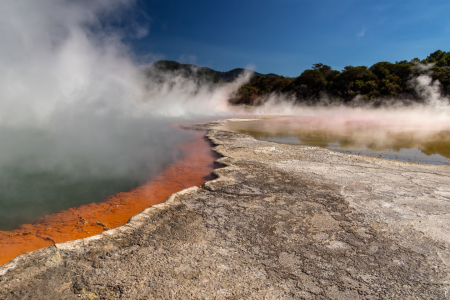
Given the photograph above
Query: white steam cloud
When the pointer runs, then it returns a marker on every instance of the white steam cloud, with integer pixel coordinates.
(56, 54)
(430, 91)
(61, 56)
(76, 104)
(431, 115)
(67, 76)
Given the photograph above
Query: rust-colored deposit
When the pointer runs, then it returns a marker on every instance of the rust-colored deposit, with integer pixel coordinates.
(87, 220)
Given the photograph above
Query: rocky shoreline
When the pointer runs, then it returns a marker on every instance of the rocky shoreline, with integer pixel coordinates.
(279, 222)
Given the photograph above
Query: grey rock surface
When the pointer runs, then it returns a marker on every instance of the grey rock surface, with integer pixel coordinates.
(279, 222)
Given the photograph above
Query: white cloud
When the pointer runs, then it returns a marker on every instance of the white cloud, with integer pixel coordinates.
(361, 33)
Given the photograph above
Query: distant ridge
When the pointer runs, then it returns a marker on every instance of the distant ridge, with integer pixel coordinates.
(203, 72)
(381, 84)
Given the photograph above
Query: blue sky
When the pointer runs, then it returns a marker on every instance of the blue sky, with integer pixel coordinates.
(288, 36)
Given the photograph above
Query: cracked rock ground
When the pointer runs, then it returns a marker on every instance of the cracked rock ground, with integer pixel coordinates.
(279, 222)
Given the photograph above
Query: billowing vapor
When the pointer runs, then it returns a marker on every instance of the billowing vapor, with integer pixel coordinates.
(430, 91)
(70, 83)
(170, 95)
(414, 130)
(76, 106)
(432, 114)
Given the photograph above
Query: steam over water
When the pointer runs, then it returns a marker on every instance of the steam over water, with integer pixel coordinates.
(417, 132)
(46, 171)
(80, 120)
(356, 135)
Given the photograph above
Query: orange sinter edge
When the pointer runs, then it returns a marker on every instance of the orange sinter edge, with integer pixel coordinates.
(192, 169)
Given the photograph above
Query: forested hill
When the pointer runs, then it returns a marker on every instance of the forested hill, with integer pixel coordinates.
(201, 73)
(375, 84)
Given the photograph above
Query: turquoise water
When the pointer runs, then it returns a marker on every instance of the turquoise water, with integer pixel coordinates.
(26, 196)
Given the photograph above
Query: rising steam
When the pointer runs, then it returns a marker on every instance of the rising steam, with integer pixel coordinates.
(432, 114)
(76, 106)
(68, 77)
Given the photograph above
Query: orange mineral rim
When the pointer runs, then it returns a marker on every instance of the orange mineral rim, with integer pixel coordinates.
(192, 169)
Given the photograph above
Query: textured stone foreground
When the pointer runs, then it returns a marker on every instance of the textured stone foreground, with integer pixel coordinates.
(280, 222)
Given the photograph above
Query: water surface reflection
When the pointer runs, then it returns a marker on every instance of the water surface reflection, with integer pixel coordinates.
(356, 137)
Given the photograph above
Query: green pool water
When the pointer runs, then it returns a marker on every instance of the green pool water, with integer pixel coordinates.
(43, 172)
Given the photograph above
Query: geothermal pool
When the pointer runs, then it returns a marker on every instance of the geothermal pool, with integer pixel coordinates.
(190, 167)
(43, 171)
(388, 140)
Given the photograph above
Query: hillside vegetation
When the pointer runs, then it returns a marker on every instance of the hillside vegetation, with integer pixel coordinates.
(202, 74)
(382, 83)
(379, 83)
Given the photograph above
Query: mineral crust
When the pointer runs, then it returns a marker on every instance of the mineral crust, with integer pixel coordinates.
(279, 222)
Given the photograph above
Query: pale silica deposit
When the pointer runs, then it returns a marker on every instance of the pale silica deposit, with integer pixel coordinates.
(279, 222)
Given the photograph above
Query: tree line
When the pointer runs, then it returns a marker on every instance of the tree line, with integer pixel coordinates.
(379, 83)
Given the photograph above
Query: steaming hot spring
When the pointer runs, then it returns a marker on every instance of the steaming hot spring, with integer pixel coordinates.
(86, 140)
(415, 134)
(79, 179)
(88, 193)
